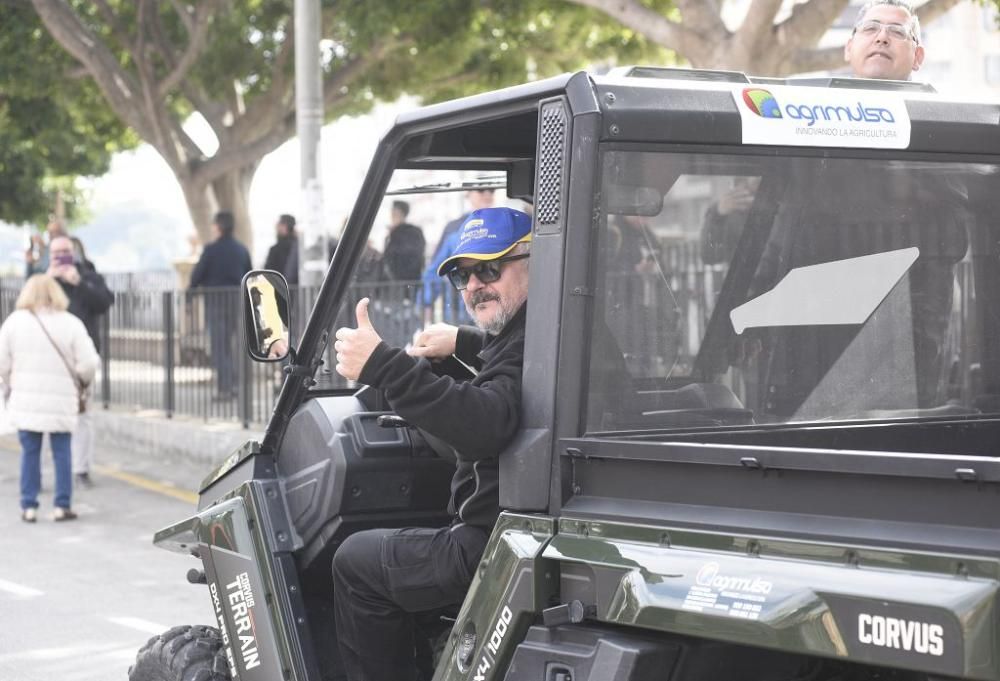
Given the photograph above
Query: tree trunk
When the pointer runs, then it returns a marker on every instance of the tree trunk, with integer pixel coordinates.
(201, 206)
(230, 192)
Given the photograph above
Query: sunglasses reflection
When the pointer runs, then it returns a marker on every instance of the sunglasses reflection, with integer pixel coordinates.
(486, 271)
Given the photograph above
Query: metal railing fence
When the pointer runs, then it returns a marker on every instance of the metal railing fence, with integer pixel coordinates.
(181, 352)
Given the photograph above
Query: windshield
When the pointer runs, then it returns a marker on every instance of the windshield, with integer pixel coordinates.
(742, 290)
(415, 229)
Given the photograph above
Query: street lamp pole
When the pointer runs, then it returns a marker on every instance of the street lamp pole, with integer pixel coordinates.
(309, 122)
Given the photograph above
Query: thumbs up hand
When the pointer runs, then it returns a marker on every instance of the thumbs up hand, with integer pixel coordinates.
(355, 346)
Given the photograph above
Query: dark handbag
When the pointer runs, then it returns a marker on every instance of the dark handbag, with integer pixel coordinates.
(81, 387)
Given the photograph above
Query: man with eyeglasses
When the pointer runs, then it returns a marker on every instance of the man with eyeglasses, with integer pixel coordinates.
(382, 578)
(885, 43)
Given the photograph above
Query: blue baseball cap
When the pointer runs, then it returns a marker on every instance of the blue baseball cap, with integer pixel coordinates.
(487, 234)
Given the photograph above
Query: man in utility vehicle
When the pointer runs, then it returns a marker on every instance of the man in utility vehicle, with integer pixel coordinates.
(383, 577)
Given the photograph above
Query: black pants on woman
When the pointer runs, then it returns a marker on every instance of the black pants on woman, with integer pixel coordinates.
(383, 579)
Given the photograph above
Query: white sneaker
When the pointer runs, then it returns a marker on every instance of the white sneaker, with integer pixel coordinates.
(61, 514)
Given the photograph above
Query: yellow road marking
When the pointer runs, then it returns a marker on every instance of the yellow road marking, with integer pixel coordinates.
(10, 442)
(164, 488)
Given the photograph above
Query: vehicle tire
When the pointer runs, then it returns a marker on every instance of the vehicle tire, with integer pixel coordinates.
(184, 653)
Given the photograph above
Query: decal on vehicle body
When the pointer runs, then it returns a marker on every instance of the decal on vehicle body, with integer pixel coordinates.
(217, 605)
(492, 648)
(719, 593)
(900, 634)
(239, 595)
(893, 632)
(798, 116)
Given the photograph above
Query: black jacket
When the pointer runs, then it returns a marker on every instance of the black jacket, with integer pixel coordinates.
(283, 257)
(403, 256)
(89, 299)
(222, 263)
(479, 418)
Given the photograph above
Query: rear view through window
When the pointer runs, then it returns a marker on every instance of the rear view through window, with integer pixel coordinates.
(737, 290)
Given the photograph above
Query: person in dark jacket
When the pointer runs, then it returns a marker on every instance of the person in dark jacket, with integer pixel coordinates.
(89, 299)
(403, 256)
(283, 256)
(383, 577)
(219, 272)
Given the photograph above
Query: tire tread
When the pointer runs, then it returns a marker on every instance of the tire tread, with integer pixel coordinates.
(182, 653)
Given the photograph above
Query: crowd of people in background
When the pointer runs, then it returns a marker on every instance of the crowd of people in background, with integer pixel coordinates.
(48, 357)
(53, 338)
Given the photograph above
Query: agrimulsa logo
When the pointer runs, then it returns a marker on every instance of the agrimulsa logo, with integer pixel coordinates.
(809, 116)
(763, 103)
(711, 576)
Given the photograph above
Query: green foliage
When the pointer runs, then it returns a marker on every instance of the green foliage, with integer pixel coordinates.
(242, 79)
(53, 127)
(451, 48)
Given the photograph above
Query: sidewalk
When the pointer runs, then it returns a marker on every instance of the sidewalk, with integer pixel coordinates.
(178, 450)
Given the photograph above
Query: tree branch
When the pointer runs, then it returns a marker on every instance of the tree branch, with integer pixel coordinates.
(184, 12)
(117, 31)
(236, 154)
(118, 87)
(759, 20)
(703, 16)
(808, 22)
(652, 25)
(816, 59)
(336, 80)
(139, 48)
(212, 110)
(932, 9)
(755, 33)
(197, 39)
(269, 108)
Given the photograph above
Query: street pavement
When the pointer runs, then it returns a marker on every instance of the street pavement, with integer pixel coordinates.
(78, 599)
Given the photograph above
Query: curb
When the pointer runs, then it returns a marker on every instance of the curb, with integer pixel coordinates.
(150, 434)
(170, 456)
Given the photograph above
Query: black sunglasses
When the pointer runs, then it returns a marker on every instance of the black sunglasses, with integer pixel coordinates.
(486, 271)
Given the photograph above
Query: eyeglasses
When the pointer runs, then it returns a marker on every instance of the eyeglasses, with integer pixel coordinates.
(873, 27)
(486, 271)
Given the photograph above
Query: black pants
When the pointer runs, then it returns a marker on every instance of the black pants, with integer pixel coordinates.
(383, 578)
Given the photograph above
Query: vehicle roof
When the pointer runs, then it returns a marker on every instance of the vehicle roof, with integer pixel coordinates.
(650, 104)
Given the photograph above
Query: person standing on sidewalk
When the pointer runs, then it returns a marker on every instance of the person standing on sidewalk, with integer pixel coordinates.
(221, 267)
(283, 256)
(403, 255)
(89, 298)
(46, 355)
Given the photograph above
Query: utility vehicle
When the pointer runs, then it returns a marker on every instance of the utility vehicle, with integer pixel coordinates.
(761, 399)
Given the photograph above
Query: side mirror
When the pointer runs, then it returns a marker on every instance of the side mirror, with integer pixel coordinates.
(266, 315)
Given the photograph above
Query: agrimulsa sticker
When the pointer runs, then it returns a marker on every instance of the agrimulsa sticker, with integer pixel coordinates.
(721, 593)
(818, 117)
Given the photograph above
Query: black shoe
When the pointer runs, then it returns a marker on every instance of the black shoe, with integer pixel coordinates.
(84, 480)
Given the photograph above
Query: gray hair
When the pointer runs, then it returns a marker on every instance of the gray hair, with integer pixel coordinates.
(520, 248)
(902, 4)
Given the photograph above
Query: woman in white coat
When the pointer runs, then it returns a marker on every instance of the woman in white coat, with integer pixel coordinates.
(45, 352)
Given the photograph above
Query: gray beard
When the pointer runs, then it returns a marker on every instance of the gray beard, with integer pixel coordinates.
(495, 325)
